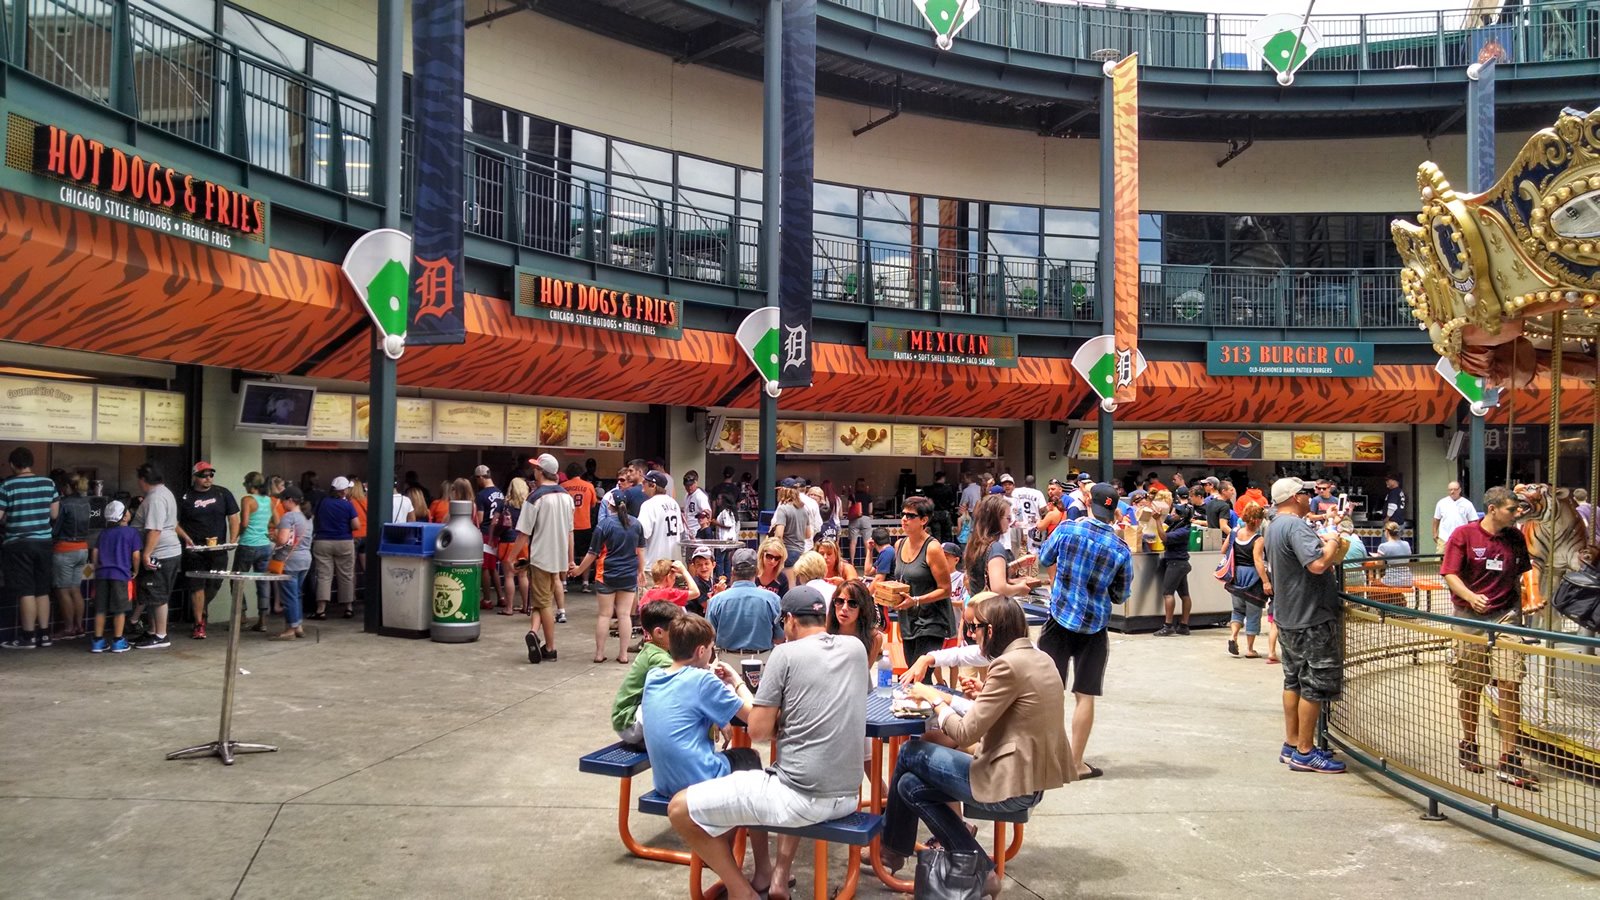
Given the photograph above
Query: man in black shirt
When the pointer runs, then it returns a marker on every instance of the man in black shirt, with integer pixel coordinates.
(1218, 505)
(207, 514)
(1394, 502)
(942, 523)
(727, 491)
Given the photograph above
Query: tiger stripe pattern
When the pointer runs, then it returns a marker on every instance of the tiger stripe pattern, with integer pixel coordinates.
(1125, 207)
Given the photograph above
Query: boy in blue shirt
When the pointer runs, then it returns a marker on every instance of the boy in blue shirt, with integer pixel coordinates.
(115, 559)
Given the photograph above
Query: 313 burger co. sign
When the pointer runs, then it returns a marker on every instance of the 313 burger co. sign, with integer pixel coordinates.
(84, 172)
(590, 305)
(1352, 359)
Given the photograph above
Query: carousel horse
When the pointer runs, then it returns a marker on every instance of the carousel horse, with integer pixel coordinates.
(1550, 523)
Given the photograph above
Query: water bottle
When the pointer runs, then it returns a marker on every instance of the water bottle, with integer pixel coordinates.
(885, 670)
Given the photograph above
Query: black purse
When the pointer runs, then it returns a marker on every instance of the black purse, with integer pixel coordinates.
(950, 875)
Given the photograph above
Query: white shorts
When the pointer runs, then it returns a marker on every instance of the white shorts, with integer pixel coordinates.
(759, 798)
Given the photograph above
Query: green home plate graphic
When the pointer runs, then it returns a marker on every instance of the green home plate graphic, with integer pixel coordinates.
(1481, 396)
(1284, 42)
(378, 266)
(947, 18)
(758, 335)
(1099, 363)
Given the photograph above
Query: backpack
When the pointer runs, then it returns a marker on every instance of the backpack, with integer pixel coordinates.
(1578, 597)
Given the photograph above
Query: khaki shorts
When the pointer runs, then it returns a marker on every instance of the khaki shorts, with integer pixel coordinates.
(541, 588)
(1475, 664)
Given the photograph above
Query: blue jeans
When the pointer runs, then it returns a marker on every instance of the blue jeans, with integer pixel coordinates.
(927, 780)
(254, 559)
(290, 592)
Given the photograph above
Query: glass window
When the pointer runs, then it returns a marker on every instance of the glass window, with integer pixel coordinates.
(264, 39)
(1023, 219)
(201, 13)
(836, 199)
(1081, 249)
(641, 162)
(705, 175)
(1074, 222)
(492, 121)
(834, 226)
(588, 149)
(348, 74)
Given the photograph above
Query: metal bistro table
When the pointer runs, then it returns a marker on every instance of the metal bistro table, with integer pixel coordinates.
(224, 747)
(885, 728)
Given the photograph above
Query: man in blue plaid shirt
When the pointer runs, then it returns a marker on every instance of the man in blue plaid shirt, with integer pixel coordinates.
(1094, 569)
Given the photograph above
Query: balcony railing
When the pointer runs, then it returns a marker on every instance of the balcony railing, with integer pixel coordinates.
(1531, 32)
(181, 78)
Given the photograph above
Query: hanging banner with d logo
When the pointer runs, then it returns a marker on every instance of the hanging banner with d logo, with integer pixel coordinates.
(438, 43)
(799, 133)
(1125, 176)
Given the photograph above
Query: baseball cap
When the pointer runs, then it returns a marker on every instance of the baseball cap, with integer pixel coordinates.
(202, 467)
(547, 464)
(744, 558)
(1138, 494)
(658, 479)
(1006, 478)
(114, 511)
(1085, 477)
(997, 489)
(480, 472)
(1103, 501)
(1057, 482)
(1181, 492)
(789, 483)
(803, 600)
(341, 483)
(1285, 488)
(292, 492)
(952, 548)
(703, 553)
(1211, 480)
(613, 499)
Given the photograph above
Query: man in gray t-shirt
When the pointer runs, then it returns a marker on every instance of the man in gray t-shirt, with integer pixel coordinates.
(157, 521)
(1306, 607)
(813, 703)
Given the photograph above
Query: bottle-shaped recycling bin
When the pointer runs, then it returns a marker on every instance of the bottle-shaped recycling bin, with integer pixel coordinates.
(457, 574)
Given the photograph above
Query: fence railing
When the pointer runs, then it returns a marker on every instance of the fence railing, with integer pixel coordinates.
(1495, 720)
(1533, 32)
(178, 76)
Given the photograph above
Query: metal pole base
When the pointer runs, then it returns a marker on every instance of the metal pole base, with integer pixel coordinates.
(223, 750)
(1433, 814)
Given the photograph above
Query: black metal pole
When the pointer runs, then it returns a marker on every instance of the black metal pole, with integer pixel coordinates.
(381, 378)
(771, 191)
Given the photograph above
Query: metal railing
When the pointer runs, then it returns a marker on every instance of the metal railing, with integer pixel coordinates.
(1461, 711)
(178, 76)
(1533, 32)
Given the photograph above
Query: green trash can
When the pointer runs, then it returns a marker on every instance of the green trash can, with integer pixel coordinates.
(1197, 538)
(457, 577)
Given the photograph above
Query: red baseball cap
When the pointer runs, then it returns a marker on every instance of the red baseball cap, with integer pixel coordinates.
(203, 466)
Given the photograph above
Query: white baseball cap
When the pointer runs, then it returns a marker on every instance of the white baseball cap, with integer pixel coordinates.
(1285, 488)
(114, 512)
(548, 463)
(341, 483)
(480, 472)
(1006, 478)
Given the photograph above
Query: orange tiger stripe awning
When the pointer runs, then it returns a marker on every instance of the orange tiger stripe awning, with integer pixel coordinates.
(1532, 405)
(1395, 395)
(84, 282)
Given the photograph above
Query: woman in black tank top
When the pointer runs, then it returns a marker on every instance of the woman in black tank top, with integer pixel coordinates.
(926, 617)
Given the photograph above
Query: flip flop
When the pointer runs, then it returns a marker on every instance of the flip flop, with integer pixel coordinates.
(1272, 660)
(504, 612)
(1252, 655)
(622, 660)
(1093, 773)
(601, 659)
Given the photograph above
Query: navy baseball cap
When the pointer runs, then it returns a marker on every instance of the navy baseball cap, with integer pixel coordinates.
(1103, 501)
(1085, 477)
(804, 601)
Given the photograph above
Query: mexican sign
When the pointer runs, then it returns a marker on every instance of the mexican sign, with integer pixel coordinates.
(1350, 359)
(1476, 391)
(947, 18)
(376, 268)
(1284, 42)
(62, 165)
(926, 345)
(1107, 368)
(579, 303)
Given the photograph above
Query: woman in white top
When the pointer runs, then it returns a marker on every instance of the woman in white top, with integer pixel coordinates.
(812, 570)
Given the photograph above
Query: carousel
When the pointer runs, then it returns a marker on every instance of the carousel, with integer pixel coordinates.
(1507, 285)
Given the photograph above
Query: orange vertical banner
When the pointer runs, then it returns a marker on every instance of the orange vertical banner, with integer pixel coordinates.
(1125, 265)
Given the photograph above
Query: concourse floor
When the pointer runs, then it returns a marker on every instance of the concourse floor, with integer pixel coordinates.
(414, 769)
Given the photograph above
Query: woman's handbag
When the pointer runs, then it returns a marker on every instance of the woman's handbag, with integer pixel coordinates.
(950, 875)
(1224, 571)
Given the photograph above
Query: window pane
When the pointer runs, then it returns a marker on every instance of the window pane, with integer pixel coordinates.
(1075, 222)
(705, 175)
(1083, 249)
(643, 162)
(834, 198)
(835, 226)
(202, 13)
(264, 39)
(348, 74)
(881, 232)
(1014, 218)
(1013, 244)
(710, 204)
(588, 149)
(890, 207)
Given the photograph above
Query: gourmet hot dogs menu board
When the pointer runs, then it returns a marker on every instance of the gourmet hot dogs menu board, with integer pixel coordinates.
(822, 438)
(1225, 444)
(421, 420)
(75, 412)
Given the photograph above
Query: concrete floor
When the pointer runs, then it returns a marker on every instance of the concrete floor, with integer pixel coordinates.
(415, 769)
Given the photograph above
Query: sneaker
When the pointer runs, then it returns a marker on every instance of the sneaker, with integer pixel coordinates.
(1233, 647)
(25, 642)
(547, 653)
(120, 645)
(1166, 630)
(561, 617)
(99, 645)
(1467, 755)
(1512, 772)
(199, 632)
(1183, 629)
(1315, 762)
(1286, 752)
(535, 648)
(588, 587)
(42, 639)
(152, 641)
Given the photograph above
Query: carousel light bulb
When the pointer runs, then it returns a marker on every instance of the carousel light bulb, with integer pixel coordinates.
(1427, 193)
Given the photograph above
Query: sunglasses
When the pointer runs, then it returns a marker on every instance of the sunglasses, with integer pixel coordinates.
(847, 601)
(771, 556)
(206, 475)
(907, 514)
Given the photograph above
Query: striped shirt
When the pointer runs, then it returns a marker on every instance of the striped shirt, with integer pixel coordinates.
(1094, 569)
(25, 500)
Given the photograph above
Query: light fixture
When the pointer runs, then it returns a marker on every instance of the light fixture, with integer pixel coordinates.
(41, 373)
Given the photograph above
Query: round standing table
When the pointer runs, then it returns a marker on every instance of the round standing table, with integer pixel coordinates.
(224, 747)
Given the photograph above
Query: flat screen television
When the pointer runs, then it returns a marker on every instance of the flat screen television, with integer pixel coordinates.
(275, 408)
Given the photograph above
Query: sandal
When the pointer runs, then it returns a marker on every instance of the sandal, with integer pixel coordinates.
(319, 615)
(1272, 660)
(349, 612)
(601, 659)
(623, 660)
(1252, 655)
(503, 612)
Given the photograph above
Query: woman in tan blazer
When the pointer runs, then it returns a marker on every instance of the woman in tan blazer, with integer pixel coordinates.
(1018, 723)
